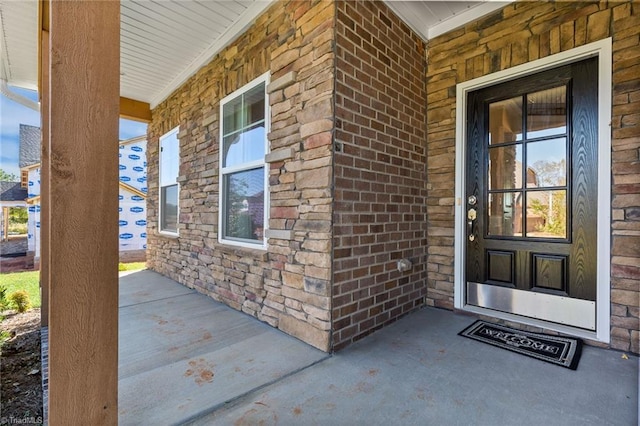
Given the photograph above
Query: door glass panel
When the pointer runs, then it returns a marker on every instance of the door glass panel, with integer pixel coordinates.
(547, 163)
(505, 121)
(547, 112)
(505, 214)
(505, 167)
(547, 214)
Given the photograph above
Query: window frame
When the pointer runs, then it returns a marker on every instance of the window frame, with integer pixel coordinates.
(162, 231)
(250, 165)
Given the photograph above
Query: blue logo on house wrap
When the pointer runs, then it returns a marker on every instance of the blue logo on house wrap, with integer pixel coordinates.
(137, 198)
(134, 156)
(144, 246)
(141, 222)
(138, 169)
(136, 209)
(126, 236)
(121, 147)
(119, 209)
(136, 148)
(37, 224)
(143, 189)
(120, 197)
(125, 178)
(123, 223)
(144, 164)
(38, 208)
(119, 155)
(122, 167)
(32, 209)
(142, 179)
(30, 183)
(143, 235)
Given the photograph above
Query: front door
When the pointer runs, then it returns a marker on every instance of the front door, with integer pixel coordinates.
(531, 196)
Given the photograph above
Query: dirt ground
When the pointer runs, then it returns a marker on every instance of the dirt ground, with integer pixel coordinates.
(21, 370)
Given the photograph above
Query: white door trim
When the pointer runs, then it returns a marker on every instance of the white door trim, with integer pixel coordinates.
(603, 51)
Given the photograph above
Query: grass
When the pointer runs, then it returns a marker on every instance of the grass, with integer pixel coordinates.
(133, 266)
(28, 281)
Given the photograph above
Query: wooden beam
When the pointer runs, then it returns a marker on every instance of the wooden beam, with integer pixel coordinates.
(135, 110)
(83, 304)
(43, 26)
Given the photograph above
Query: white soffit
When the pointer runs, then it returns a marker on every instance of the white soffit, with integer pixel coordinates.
(433, 18)
(19, 43)
(163, 43)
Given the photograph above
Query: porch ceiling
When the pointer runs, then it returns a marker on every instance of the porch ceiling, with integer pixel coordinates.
(164, 42)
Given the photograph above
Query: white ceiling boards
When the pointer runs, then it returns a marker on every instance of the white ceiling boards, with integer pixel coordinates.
(164, 42)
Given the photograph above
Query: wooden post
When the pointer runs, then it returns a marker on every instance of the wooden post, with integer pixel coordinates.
(83, 204)
(5, 224)
(45, 211)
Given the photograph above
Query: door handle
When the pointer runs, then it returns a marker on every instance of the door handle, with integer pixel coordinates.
(471, 217)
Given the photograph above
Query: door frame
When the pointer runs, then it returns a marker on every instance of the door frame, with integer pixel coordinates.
(603, 51)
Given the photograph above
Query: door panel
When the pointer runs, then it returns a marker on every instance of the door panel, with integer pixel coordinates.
(531, 192)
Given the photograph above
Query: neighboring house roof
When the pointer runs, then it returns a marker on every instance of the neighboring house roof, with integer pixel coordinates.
(29, 145)
(132, 189)
(12, 191)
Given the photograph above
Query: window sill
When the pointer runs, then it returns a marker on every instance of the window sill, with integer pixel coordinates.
(256, 253)
(169, 235)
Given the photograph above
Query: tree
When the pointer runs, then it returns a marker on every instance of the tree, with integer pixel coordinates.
(8, 177)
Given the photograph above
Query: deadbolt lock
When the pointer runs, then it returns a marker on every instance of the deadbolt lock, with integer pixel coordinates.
(472, 214)
(472, 200)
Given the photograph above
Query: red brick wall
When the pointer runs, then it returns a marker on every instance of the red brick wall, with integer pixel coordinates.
(522, 32)
(379, 160)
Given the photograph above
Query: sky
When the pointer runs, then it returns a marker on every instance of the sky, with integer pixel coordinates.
(12, 114)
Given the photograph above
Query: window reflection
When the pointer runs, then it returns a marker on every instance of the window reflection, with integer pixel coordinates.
(519, 168)
(169, 208)
(547, 162)
(505, 214)
(547, 214)
(244, 205)
(505, 121)
(547, 112)
(505, 167)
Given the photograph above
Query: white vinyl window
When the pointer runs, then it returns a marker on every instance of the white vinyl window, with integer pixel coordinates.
(243, 174)
(169, 188)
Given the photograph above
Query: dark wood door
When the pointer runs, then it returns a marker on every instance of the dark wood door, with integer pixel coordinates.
(531, 195)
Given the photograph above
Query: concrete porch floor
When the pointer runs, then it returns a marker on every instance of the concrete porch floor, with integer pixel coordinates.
(185, 358)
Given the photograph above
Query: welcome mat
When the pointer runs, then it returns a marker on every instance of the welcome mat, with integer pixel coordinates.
(563, 351)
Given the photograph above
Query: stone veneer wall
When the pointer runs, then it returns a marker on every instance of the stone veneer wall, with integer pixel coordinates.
(380, 192)
(522, 32)
(287, 285)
